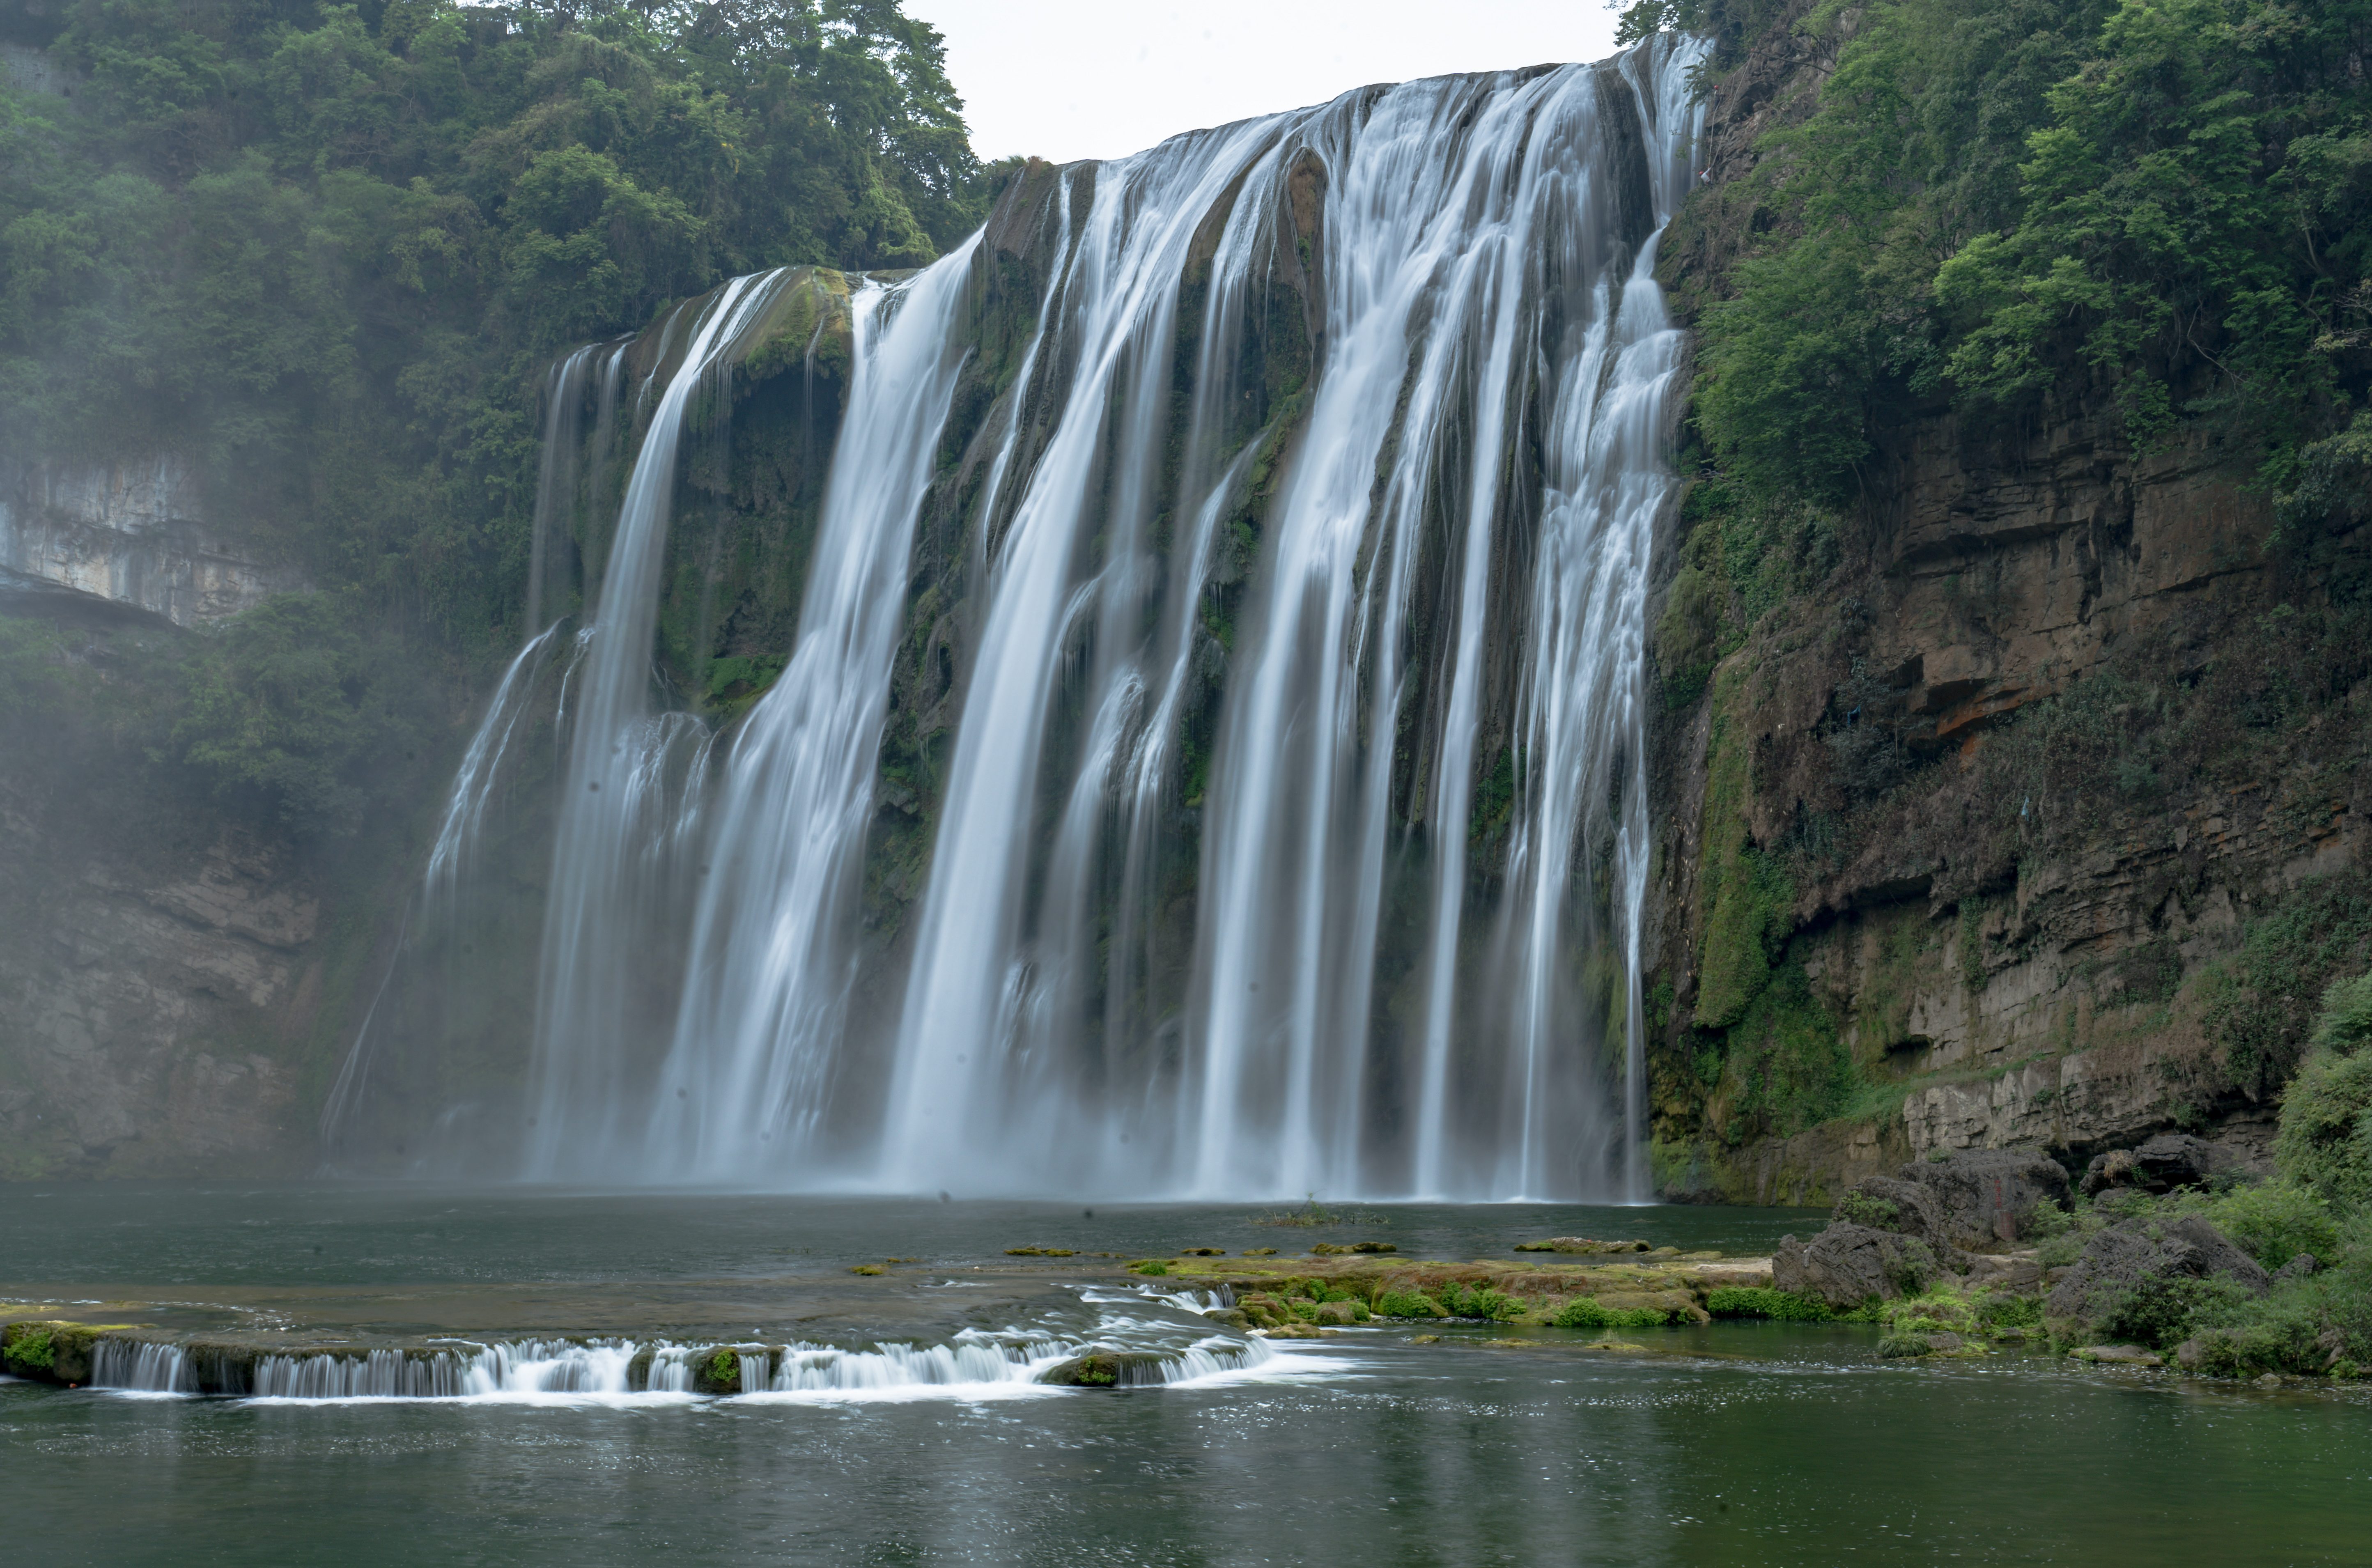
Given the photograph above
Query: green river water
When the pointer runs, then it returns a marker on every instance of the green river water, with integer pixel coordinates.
(1725, 1444)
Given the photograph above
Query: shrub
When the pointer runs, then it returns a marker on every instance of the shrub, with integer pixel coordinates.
(1407, 1304)
(2320, 1323)
(2273, 1220)
(1878, 1213)
(1762, 1301)
(2161, 1313)
(1584, 1312)
(2325, 1141)
(1480, 1301)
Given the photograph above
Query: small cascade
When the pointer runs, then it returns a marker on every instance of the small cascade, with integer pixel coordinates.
(143, 1366)
(538, 1367)
(374, 1374)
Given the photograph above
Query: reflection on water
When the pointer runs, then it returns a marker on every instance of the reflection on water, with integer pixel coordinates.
(1722, 1445)
(355, 1233)
(1736, 1444)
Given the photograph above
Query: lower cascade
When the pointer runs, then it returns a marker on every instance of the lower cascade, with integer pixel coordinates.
(1294, 484)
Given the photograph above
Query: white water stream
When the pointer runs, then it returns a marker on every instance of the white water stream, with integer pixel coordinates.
(1415, 832)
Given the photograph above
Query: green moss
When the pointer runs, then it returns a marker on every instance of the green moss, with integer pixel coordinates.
(28, 1348)
(1584, 1312)
(1792, 1068)
(1762, 1301)
(1748, 898)
(1480, 1301)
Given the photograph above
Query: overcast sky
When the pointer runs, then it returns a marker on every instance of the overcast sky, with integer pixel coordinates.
(1067, 79)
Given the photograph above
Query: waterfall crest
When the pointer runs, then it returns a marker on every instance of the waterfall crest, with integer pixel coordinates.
(1279, 802)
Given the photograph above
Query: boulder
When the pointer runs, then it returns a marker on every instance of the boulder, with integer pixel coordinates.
(1104, 1369)
(2297, 1268)
(2117, 1355)
(2137, 1253)
(1887, 1202)
(1984, 1197)
(1580, 1245)
(2012, 1272)
(1847, 1264)
(2161, 1164)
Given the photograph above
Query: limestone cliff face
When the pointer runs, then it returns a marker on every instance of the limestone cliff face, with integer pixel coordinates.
(162, 989)
(1991, 832)
(130, 533)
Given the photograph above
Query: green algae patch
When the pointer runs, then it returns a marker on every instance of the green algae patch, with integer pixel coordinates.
(1763, 1301)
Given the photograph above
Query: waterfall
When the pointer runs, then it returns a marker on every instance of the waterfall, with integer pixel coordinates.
(629, 774)
(1487, 251)
(760, 1023)
(1296, 483)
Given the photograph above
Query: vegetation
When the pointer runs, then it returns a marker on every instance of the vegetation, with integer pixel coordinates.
(1762, 1301)
(321, 254)
(1586, 1312)
(2311, 1225)
(2001, 201)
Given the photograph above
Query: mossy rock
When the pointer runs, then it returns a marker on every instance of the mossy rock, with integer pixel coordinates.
(52, 1351)
(1105, 1369)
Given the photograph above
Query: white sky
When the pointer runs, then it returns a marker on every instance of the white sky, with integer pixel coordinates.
(1066, 79)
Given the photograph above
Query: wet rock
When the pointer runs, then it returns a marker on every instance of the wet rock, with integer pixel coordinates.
(2117, 1355)
(1896, 1346)
(1848, 1264)
(2140, 1253)
(1104, 1369)
(2157, 1165)
(1049, 1253)
(1299, 1331)
(1183, 1252)
(1580, 1245)
(1340, 1314)
(1344, 1250)
(51, 1350)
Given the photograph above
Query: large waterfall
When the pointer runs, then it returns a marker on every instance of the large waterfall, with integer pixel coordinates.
(1303, 475)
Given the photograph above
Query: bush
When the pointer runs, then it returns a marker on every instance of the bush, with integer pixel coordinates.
(2319, 1324)
(1480, 1301)
(1584, 1312)
(2161, 1313)
(1762, 1301)
(1407, 1304)
(2273, 1220)
(2325, 1141)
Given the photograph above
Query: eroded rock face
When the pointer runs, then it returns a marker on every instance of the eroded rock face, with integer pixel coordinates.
(152, 995)
(132, 533)
(2159, 1164)
(1974, 1201)
(2016, 997)
(2138, 1253)
(1847, 1264)
(1988, 1197)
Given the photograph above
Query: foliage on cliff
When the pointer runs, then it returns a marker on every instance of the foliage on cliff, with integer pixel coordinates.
(325, 249)
(1998, 202)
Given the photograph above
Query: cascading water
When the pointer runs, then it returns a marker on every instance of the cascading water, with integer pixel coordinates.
(1305, 568)
(629, 774)
(759, 1024)
(1487, 245)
